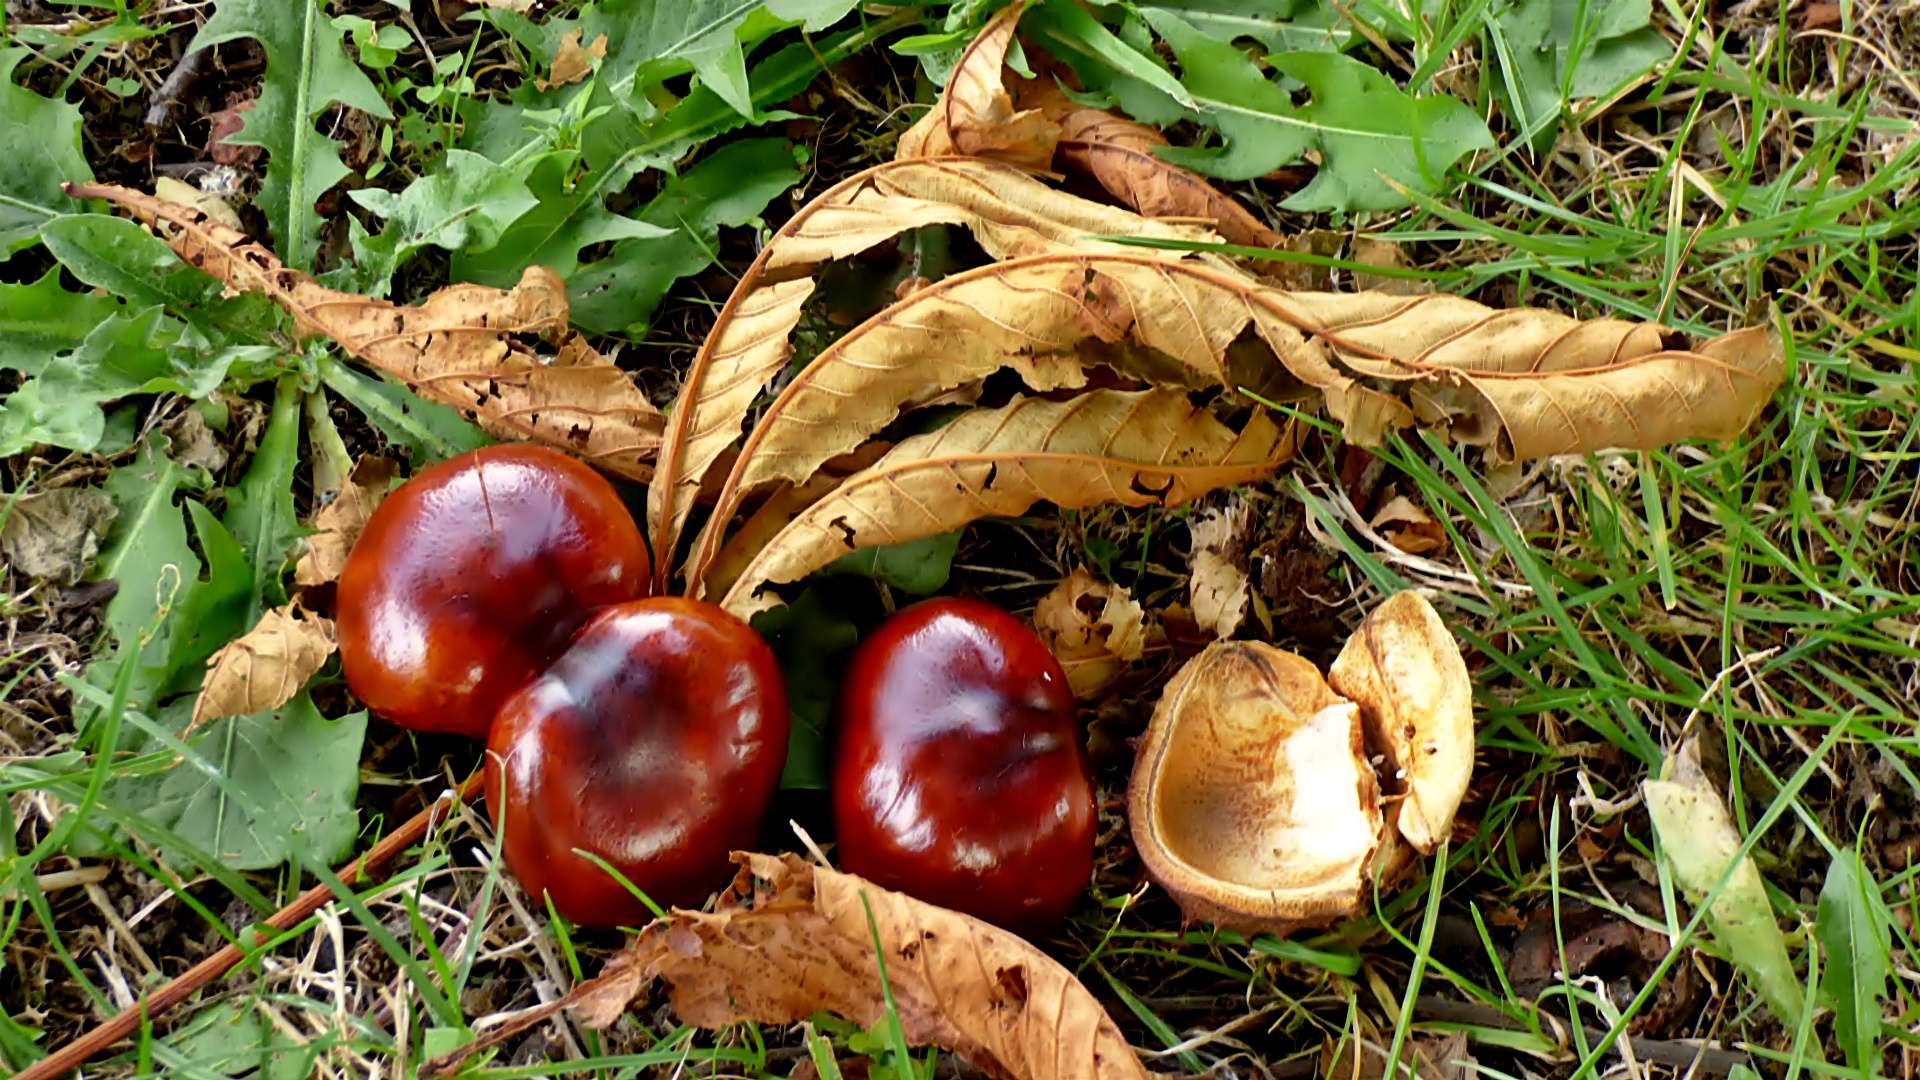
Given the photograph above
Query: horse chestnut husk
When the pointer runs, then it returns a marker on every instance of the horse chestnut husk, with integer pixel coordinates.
(957, 774)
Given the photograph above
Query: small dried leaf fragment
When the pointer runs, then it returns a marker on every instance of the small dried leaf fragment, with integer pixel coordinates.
(340, 521)
(790, 939)
(1695, 832)
(1095, 629)
(264, 667)
(1404, 670)
(571, 63)
(1217, 569)
(55, 535)
(469, 346)
(1149, 447)
(975, 116)
(1252, 801)
(179, 191)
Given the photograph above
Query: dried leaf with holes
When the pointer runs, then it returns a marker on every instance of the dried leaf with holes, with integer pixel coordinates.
(468, 346)
(1093, 628)
(1007, 212)
(1403, 669)
(1252, 802)
(790, 939)
(975, 115)
(1140, 448)
(1217, 569)
(340, 521)
(264, 667)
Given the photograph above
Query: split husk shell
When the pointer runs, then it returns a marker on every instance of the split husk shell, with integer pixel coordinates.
(1254, 800)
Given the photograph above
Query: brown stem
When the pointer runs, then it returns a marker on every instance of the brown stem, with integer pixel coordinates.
(155, 1005)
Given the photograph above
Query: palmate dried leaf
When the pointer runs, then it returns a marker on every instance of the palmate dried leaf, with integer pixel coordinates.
(976, 116)
(790, 939)
(466, 345)
(1149, 447)
(266, 666)
(1529, 383)
(338, 523)
(1094, 628)
(1009, 214)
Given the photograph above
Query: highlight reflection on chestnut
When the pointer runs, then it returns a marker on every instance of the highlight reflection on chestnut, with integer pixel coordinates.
(655, 742)
(472, 576)
(957, 774)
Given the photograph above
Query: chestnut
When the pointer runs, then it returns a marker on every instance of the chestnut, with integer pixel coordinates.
(957, 774)
(655, 743)
(471, 578)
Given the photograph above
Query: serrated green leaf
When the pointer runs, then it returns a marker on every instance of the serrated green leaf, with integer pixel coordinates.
(126, 354)
(42, 137)
(650, 41)
(1854, 928)
(253, 790)
(235, 1038)
(568, 217)
(918, 567)
(118, 255)
(467, 205)
(260, 508)
(217, 610)
(148, 537)
(307, 73)
(39, 319)
(1367, 129)
(732, 187)
(1278, 25)
(428, 430)
(1537, 75)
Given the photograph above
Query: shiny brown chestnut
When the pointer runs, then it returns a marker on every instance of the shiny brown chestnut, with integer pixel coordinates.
(655, 743)
(473, 575)
(957, 774)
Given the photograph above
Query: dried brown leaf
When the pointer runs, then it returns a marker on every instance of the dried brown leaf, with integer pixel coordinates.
(264, 667)
(1391, 256)
(1149, 447)
(975, 115)
(571, 63)
(1093, 628)
(1217, 569)
(340, 521)
(54, 535)
(1009, 213)
(790, 939)
(469, 346)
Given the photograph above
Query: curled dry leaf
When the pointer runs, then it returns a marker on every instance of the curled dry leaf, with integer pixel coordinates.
(1527, 383)
(1149, 447)
(1403, 669)
(1093, 628)
(340, 521)
(1251, 801)
(1701, 841)
(264, 667)
(975, 116)
(1217, 569)
(790, 939)
(466, 345)
(1009, 214)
